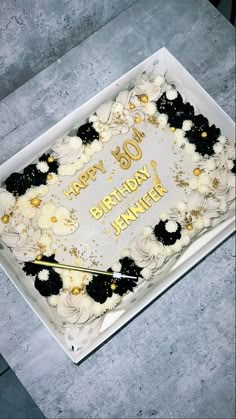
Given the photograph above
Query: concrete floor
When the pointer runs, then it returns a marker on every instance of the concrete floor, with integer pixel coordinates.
(15, 402)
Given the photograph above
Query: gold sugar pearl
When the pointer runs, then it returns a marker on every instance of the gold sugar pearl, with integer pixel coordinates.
(50, 159)
(5, 219)
(189, 227)
(197, 171)
(172, 129)
(49, 177)
(132, 106)
(35, 202)
(75, 291)
(113, 286)
(137, 119)
(204, 134)
(39, 257)
(54, 219)
(144, 98)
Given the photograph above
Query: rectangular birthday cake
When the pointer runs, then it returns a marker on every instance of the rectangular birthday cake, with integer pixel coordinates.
(126, 192)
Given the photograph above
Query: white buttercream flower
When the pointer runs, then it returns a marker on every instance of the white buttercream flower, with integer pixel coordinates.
(190, 148)
(162, 120)
(177, 247)
(43, 275)
(179, 134)
(106, 136)
(218, 148)
(28, 204)
(196, 157)
(116, 266)
(53, 300)
(146, 273)
(185, 239)
(171, 94)
(72, 279)
(221, 139)
(67, 169)
(59, 220)
(187, 125)
(150, 109)
(84, 158)
(147, 231)
(163, 216)
(171, 226)
(125, 252)
(53, 179)
(42, 166)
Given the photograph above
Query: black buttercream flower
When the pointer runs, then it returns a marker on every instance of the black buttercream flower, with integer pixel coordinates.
(17, 184)
(101, 287)
(34, 176)
(176, 110)
(185, 111)
(166, 237)
(49, 287)
(33, 269)
(203, 135)
(87, 133)
(53, 165)
(168, 106)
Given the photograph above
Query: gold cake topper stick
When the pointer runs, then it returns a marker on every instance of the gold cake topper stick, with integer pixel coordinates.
(115, 275)
(154, 168)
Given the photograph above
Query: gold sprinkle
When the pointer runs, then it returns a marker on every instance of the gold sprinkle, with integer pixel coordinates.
(197, 171)
(143, 98)
(35, 202)
(132, 106)
(75, 291)
(5, 219)
(137, 120)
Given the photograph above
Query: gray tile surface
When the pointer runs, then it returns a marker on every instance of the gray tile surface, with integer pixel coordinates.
(3, 365)
(33, 34)
(15, 402)
(175, 360)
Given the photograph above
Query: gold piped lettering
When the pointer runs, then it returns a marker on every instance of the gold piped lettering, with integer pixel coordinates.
(96, 212)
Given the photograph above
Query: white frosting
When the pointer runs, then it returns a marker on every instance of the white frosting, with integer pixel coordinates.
(68, 149)
(147, 253)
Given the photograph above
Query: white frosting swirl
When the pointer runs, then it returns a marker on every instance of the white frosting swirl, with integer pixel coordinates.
(68, 149)
(70, 307)
(146, 252)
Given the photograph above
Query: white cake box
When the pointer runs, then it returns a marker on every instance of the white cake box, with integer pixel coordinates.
(115, 319)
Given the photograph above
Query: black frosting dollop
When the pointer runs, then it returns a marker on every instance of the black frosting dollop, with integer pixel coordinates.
(164, 236)
(204, 145)
(176, 110)
(32, 269)
(87, 133)
(50, 287)
(46, 288)
(100, 287)
(18, 183)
